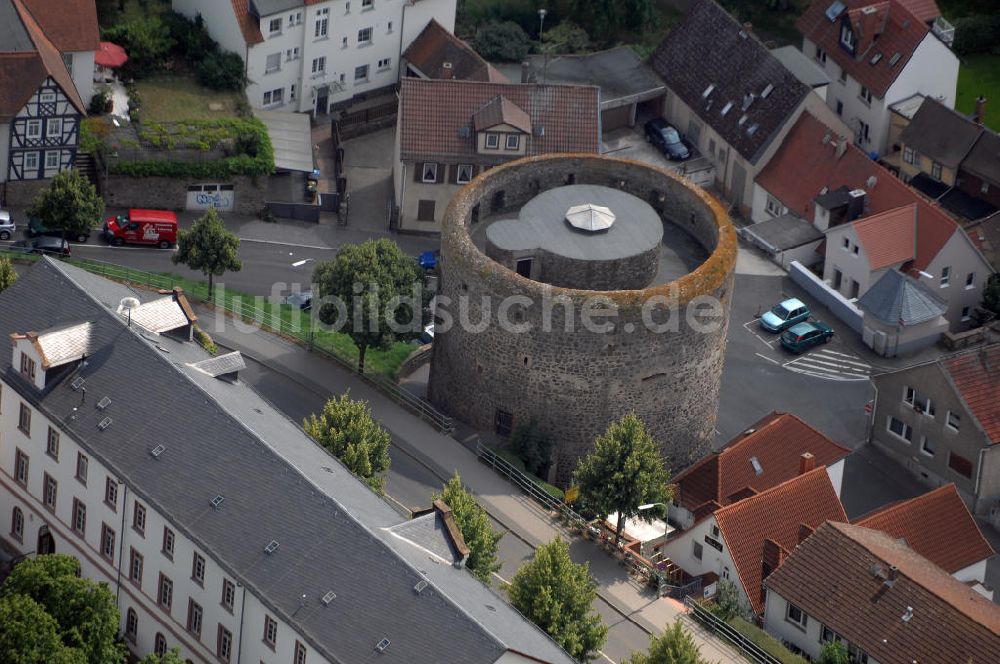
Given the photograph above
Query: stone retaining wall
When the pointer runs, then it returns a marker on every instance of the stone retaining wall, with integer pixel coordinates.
(121, 191)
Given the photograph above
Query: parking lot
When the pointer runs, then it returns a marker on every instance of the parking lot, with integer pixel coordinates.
(831, 361)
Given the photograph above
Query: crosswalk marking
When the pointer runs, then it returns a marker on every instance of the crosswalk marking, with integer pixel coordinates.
(830, 365)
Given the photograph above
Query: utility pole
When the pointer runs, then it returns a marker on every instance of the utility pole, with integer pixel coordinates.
(545, 55)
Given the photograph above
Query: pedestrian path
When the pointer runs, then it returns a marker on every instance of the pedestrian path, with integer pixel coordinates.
(831, 365)
(445, 456)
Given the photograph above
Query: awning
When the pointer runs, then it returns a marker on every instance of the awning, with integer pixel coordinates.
(110, 55)
(291, 138)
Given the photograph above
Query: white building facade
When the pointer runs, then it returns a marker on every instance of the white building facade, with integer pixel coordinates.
(311, 58)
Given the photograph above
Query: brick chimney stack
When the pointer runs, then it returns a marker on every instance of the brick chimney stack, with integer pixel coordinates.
(806, 463)
(980, 110)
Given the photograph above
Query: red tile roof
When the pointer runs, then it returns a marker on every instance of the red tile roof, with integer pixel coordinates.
(501, 111)
(71, 25)
(433, 114)
(803, 166)
(838, 577)
(775, 515)
(937, 525)
(889, 30)
(976, 376)
(924, 10)
(22, 73)
(888, 237)
(778, 441)
(249, 25)
(435, 46)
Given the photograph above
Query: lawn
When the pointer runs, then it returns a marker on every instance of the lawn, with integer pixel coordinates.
(175, 98)
(980, 75)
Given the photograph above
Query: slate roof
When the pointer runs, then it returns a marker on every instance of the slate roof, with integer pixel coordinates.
(777, 441)
(224, 439)
(983, 159)
(71, 25)
(619, 72)
(249, 24)
(804, 166)
(775, 515)
(890, 30)
(889, 237)
(23, 71)
(937, 525)
(564, 118)
(830, 577)
(785, 232)
(976, 377)
(899, 297)
(940, 133)
(709, 48)
(435, 46)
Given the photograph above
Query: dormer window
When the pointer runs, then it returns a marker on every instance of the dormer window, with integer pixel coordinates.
(493, 141)
(847, 37)
(513, 141)
(27, 367)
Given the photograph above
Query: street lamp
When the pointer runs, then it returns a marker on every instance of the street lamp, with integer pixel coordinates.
(545, 56)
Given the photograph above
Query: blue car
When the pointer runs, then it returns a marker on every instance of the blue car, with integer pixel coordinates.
(802, 337)
(785, 315)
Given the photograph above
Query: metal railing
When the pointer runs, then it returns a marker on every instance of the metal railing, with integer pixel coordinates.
(247, 310)
(526, 483)
(721, 628)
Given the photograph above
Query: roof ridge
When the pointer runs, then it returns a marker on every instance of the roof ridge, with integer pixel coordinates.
(903, 502)
(743, 504)
(45, 48)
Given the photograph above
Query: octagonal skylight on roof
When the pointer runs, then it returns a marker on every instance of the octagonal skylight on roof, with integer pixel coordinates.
(590, 217)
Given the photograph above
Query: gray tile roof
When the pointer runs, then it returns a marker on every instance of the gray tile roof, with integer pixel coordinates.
(785, 232)
(940, 133)
(709, 48)
(222, 364)
(898, 297)
(984, 158)
(159, 315)
(13, 37)
(619, 72)
(64, 343)
(224, 439)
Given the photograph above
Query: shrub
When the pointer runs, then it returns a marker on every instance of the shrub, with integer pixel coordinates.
(99, 101)
(979, 33)
(567, 37)
(506, 42)
(146, 40)
(192, 41)
(205, 341)
(221, 71)
(532, 446)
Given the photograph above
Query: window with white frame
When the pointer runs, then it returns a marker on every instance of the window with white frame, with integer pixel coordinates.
(24, 419)
(198, 569)
(270, 631)
(52, 444)
(945, 276)
(300, 653)
(319, 65)
(513, 141)
(139, 518)
(364, 36)
(47, 97)
(774, 207)
(274, 27)
(294, 19)
(847, 37)
(165, 593)
(970, 281)
(82, 464)
(224, 644)
(79, 517)
(274, 97)
(936, 171)
(464, 174)
(322, 23)
(492, 141)
(194, 617)
(107, 542)
(111, 494)
(131, 625)
(34, 129)
(168, 543)
(908, 156)
(952, 421)
(30, 161)
(51, 159)
(900, 429)
(17, 524)
(273, 63)
(927, 446)
(228, 595)
(135, 565)
(160, 644)
(384, 64)
(50, 491)
(909, 395)
(429, 172)
(820, 54)
(361, 74)
(796, 616)
(292, 53)
(866, 95)
(53, 127)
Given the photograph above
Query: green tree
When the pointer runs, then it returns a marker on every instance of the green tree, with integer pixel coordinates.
(834, 652)
(346, 429)
(379, 290)
(147, 41)
(506, 41)
(557, 595)
(70, 204)
(7, 274)
(567, 37)
(727, 603)
(624, 471)
(477, 531)
(208, 247)
(84, 611)
(29, 635)
(222, 71)
(674, 646)
(172, 656)
(532, 446)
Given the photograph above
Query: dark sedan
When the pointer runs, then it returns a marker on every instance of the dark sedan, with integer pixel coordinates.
(42, 245)
(665, 137)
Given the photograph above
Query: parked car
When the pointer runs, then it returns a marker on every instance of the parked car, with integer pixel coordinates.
(42, 245)
(37, 228)
(302, 300)
(427, 336)
(157, 227)
(6, 225)
(668, 139)
(803, 336)
(785, 315)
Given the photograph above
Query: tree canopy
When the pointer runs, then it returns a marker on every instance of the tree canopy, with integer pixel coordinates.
(477, 531)
(348, 431)
(70, 203)
(624, 471)
(506, 41)
(29, 635)
(85, 612)
(7, 274)
(374, 293)
(557, 595)
(674, 646)
(208, 246)
(834, 652)
(172, 656)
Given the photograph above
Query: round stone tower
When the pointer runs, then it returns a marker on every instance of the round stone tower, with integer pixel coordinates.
(575, 289)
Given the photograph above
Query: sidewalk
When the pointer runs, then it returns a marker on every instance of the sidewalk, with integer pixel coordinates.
(444, 456)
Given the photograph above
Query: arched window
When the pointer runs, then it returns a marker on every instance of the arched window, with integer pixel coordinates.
(131, 625)
(160, 644)
(17, 524)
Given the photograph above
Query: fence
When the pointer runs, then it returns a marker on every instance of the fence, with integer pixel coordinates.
(242, 308)
(721, 628)
(356, 123)
(299, 211)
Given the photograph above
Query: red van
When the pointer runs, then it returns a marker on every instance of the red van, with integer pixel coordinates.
(157, 227)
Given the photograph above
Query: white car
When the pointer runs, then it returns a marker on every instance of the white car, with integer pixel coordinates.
(6, 225)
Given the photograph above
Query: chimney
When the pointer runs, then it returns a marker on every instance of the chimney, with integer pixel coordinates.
(805, 530)
(841, 147)
(454, 533)
(748, 28)
(773, 555)
(447, 71)
(525, 71)
(806, 463)
(980, 110)
(892, 572)
(855, 204)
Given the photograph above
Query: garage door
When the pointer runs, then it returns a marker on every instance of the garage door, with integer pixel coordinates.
(203, 196)
(615, 118)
